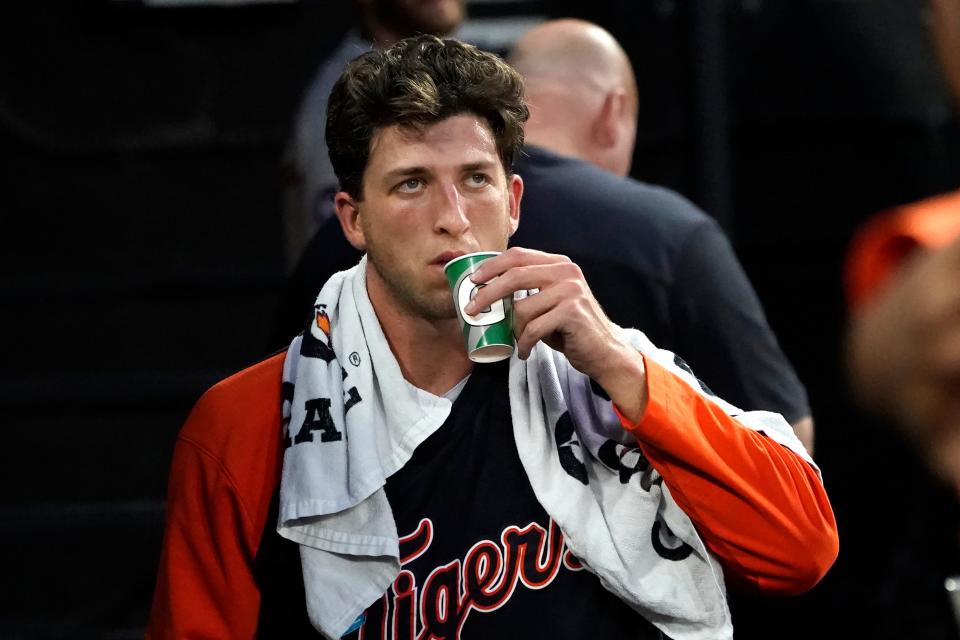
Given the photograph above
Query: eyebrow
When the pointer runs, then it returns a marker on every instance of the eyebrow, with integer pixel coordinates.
(402, 172)
(477, 166)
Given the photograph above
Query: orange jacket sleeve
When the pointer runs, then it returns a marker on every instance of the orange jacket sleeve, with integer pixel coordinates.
(205, 586)
(760, 508)
(224, 471)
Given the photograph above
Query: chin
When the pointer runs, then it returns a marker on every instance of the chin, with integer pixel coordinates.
(439, 308)
(443, 312)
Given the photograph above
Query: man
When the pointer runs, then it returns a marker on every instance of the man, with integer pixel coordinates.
(422, 496)
(653, 260)
(903, 345)
(309, 196)
(904, 341)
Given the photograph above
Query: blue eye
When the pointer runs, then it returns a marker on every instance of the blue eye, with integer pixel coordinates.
(411, 185)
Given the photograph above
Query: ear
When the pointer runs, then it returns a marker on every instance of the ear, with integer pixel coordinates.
(606, 125)
(514, 194)
(348, 212)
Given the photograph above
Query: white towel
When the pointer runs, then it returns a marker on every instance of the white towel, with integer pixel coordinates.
(353, 420)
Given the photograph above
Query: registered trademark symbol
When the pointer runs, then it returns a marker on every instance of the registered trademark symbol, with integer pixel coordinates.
(355, 359)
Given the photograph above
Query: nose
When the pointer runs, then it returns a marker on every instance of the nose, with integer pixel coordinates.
(451, 212)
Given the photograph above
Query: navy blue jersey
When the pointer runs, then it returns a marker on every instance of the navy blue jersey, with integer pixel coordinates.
(480, 557)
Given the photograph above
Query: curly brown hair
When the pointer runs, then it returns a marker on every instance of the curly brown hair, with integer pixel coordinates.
(415, 83)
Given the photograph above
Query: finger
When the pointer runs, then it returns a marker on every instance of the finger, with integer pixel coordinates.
(534, 306)
(510, 259)
(525, 278)
(539, 328)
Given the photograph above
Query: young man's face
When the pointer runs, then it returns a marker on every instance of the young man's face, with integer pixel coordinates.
(429, 196)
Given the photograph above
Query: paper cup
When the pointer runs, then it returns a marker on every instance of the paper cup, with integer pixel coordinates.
(488, 335)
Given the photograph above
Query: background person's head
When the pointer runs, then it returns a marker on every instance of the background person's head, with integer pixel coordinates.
(386, 21)
(581, 91)
(415, 83)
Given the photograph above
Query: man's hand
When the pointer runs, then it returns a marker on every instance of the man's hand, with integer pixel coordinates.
(564, 315)
(904, 355)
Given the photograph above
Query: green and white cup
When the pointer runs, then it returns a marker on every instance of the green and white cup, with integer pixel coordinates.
(488, 335)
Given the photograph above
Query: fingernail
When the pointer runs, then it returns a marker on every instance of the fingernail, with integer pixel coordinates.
(476, 277)
(471, 308)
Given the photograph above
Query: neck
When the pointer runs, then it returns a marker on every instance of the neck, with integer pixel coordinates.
(551, 139)
(430, 351)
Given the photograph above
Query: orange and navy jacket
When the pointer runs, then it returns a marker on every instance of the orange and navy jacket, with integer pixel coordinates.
(760, 508)
(885, 241)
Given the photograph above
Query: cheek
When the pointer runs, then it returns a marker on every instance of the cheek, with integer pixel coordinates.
(493, 218)
(491, 203)
(393, 234)
(389, 219)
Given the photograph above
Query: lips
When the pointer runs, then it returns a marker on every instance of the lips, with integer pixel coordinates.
(447, 256)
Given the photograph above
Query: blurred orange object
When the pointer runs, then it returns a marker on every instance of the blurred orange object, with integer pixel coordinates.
(884, 242)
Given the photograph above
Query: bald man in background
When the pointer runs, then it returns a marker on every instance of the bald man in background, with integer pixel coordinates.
(581, 92)
(653, 260)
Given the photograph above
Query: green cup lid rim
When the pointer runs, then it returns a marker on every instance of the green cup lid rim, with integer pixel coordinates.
(470, 255)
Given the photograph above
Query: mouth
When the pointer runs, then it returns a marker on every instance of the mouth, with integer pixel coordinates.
(446, 257)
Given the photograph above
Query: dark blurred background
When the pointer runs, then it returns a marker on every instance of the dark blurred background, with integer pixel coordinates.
(140, 257)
